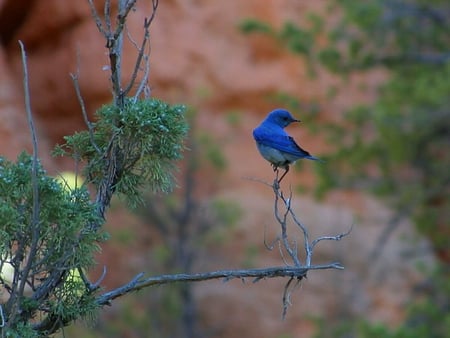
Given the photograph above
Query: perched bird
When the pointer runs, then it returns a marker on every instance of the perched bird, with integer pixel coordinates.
(275, 145)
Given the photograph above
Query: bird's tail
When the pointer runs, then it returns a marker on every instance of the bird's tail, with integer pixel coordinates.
(313, 158)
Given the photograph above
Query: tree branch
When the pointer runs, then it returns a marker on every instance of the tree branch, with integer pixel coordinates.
(138, 282)
(295, 272)
(308, 246)
(14, 300)
(76, 85)
(141, 54)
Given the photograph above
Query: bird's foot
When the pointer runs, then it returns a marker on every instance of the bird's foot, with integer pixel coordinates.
(276, 184)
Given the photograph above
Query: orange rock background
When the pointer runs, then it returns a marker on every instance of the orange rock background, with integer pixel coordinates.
(200, 58)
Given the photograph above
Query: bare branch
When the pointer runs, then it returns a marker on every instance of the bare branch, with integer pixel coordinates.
(142, 55)
(137, 283)
(285, 243)
(92, 286)
(107, 15)
(114, 40)
(287, 296)
(98, 20)
(35, 226)
(308, 246)
(269, 246)
(283, 222)
(125, 7)
(96, 285)
(330, 238)
(76, 84)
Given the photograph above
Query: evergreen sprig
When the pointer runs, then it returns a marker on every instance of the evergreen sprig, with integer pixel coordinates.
(64, 242)
(145, 137)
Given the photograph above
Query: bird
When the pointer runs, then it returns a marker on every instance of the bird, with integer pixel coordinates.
(276, 145)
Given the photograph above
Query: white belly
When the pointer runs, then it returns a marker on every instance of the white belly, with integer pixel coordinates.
(275, 156)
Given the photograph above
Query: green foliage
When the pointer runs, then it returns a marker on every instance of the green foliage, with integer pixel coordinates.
(212, 151)
(299, 40)
(144, 138)
(124, 236)
(250, 256)
(331, 57)
(307, 111)
(21, 330)
(226, 212)
(390, 33)
(255, 26)
(396, 147)
(234, 118)
(58, 238)
(223, 215)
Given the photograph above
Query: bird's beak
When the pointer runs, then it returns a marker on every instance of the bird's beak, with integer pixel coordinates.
(296, 121)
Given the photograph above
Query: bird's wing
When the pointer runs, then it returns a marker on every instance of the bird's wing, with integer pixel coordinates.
(281, 142)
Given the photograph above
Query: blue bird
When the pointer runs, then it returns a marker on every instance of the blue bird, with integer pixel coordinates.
(275, 145)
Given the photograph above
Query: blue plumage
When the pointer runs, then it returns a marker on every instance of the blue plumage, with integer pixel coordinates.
(275, 145)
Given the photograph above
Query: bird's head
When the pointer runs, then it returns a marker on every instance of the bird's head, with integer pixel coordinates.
(281, 117)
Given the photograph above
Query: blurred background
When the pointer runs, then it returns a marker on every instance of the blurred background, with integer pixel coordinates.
(371, 82)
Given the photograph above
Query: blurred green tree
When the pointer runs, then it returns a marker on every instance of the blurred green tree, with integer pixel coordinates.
(399, 147)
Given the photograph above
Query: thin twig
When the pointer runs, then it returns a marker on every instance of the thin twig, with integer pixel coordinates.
(125, 7)
(35, 224)
(143, 85)
(139, 58)
(280, 249)
(292, 249)
(107, 15)
(282, 220)
(96, 285)
(288, 290)
(92, 286)
(337, 237)
(142, 55)
(272, 244)
(97, 20)
(114, 41)
(253, 179)
(286, 297)
(76, 84)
